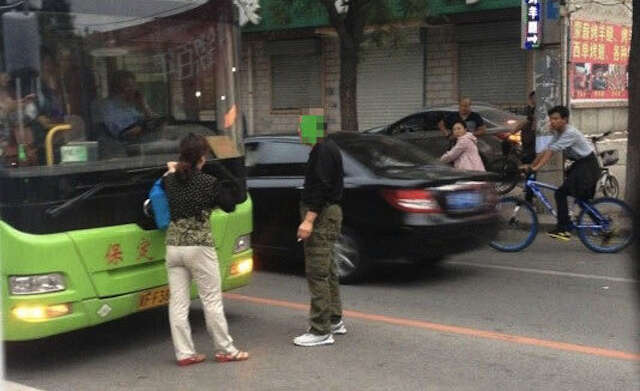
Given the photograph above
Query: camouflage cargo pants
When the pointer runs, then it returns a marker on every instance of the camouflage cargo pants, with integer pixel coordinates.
(321, 271)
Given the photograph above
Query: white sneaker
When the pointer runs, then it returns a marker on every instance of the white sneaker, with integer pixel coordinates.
(338, 328)
(309, 339)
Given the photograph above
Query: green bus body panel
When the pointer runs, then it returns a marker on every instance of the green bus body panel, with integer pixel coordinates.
(109, 265)
(24, 254)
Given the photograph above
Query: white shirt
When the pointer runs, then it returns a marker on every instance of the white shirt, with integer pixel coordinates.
(572, 142)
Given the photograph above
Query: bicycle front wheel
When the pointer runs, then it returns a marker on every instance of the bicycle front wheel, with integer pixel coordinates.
(608, 228)
(518, 225)
(610, 188)
(507, 169)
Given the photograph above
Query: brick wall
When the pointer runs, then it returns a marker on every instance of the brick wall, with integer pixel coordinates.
(441, 67)
(331, 58)
(440, 78)
(266, 120)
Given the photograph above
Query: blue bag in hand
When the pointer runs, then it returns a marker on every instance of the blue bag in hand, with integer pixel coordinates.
(160, 205)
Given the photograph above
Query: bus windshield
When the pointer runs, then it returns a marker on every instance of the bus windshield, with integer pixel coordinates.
(90, 84)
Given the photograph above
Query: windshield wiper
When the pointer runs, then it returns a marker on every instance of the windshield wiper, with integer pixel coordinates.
(57, 211)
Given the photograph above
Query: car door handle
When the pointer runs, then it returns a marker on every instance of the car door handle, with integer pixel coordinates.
(300, 188)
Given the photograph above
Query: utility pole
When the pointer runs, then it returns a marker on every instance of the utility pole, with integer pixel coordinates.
(544, 32)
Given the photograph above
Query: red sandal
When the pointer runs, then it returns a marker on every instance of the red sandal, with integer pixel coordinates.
(227, 357)
(195, 359)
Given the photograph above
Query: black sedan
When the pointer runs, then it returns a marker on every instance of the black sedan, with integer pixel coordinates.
(495, 146)
(399, 203)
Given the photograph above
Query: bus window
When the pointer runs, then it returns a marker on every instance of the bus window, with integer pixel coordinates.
(94, 98)
(128, 81)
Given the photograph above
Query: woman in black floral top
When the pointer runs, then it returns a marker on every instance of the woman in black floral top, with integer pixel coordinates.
(191, 253)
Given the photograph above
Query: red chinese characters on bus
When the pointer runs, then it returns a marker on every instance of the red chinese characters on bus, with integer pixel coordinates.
(144, 248)
(114, 254)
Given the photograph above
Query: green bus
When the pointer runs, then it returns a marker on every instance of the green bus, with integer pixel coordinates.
(94, 98)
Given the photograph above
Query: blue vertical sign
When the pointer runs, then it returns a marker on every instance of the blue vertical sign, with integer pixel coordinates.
(531, 24)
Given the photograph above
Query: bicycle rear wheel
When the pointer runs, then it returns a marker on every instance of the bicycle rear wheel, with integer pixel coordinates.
(610, 229)
(518, 225)
(610, 188)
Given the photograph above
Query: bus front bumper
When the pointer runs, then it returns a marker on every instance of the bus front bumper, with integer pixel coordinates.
(38, 316)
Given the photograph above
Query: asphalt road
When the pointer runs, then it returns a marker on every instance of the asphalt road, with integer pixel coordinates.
(555, 317)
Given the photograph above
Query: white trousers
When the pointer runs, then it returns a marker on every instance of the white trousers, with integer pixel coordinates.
(199, 263)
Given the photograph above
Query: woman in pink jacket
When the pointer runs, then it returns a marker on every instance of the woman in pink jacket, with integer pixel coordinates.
(464, 155)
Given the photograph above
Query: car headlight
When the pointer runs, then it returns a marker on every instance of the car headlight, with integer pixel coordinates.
(243, 243)
(31, 285)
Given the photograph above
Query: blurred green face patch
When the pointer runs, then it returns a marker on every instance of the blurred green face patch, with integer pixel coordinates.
(311, 128)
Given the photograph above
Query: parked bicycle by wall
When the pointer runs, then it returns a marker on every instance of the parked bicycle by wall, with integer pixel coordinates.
(607, 184)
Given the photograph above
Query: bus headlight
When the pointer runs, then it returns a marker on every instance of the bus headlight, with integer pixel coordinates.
(41, 312)
(31, 285)
(243, 243)
(240, 267)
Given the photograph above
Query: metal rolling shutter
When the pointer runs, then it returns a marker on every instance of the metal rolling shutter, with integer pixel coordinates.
(390, 84)
(491, 66)
(295, 74)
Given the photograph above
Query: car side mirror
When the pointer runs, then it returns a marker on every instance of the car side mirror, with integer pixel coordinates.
(146, 208)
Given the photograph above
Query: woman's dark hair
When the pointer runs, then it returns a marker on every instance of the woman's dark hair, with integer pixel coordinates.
(192, 148)
(464, 124)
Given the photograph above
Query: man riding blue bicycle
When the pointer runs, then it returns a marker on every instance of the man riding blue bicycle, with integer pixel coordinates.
(582, 176)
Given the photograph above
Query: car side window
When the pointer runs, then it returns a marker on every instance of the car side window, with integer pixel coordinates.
(414, 123)
(269, 158)
(432, 119)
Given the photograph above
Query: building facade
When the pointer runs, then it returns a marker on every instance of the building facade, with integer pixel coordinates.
(460, 50)
(464, 48)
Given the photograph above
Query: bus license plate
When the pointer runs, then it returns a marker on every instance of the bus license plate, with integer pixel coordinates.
(154, 298)
(464, 200)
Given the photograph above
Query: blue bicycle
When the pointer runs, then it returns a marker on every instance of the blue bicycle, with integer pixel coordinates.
(604, 225)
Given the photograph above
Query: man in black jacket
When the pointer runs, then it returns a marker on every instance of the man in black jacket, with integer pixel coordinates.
(321, 224)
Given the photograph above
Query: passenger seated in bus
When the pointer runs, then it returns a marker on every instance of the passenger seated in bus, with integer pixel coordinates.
(124, 113)
(50, 101)
(51, 110)
(11, 135)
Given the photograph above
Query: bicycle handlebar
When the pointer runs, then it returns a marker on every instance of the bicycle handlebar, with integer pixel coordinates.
(527, 171)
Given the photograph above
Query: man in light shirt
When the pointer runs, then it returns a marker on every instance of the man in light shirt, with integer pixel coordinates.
(582, 177)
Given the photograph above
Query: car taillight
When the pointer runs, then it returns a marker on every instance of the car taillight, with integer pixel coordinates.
(414, 201)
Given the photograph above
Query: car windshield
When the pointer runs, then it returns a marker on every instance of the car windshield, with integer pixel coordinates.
(92, 83)
(380, 152)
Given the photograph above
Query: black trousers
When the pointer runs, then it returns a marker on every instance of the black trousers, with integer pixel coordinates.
(581, 182)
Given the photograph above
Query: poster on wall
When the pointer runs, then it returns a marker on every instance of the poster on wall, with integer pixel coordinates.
(599, 58)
